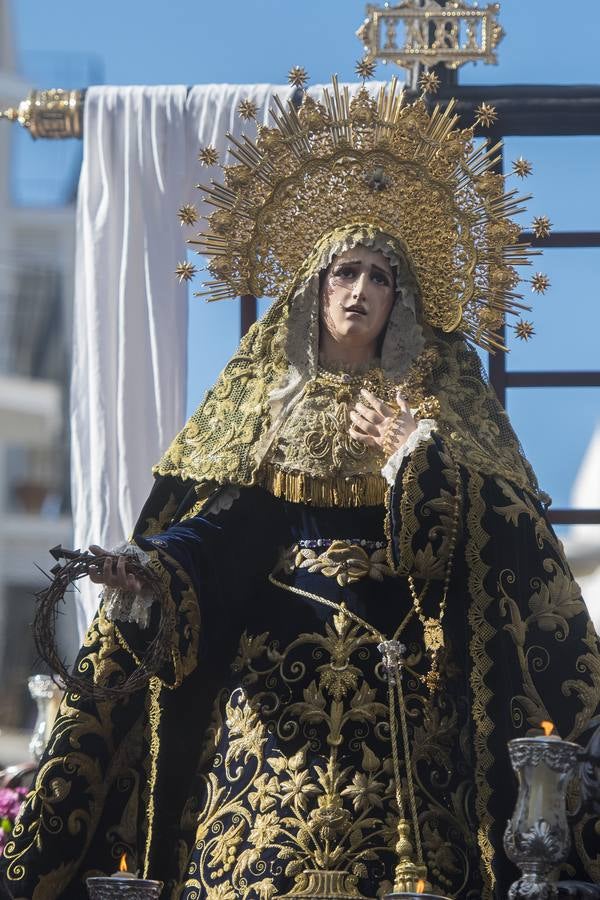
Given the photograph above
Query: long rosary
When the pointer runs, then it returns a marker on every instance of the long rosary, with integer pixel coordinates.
(433, 632)
(410, 876)
(408, 873)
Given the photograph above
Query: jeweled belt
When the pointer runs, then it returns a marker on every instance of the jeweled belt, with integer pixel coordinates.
(347, 560)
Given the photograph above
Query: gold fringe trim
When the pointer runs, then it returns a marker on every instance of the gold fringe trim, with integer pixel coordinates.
(154, 712)
(300, 487)
(481, 633)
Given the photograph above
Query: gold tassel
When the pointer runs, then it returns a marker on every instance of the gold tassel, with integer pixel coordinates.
(337, 490)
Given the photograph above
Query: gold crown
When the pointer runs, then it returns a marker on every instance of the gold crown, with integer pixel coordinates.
(396, 165)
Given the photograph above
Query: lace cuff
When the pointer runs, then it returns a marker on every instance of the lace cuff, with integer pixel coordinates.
(421, 433)
(127, 606)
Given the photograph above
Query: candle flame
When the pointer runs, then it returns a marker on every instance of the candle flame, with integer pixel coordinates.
(548, 728)
(420, 886)
(123, 863)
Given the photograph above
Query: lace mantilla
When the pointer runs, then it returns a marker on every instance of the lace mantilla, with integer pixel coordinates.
(229, 437)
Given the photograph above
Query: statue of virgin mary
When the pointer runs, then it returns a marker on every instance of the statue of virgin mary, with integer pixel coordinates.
(367, 601)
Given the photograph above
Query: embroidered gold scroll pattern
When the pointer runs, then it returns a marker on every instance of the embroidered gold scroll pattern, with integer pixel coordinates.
(305, 784)
(47, 804)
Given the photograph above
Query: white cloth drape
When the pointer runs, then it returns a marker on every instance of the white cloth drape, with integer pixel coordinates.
(583, 541)
(130, 314)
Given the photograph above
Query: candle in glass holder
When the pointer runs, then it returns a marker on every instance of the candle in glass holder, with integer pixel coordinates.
(537, 836)
(123, 885)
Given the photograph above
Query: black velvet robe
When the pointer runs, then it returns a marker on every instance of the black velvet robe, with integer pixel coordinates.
(262, 750)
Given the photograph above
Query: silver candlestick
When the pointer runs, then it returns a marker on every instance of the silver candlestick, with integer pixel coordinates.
(537, 836)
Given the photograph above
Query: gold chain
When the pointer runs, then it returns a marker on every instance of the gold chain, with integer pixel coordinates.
(339, 607)
(395, 754)
(408, 766)
(433, 632)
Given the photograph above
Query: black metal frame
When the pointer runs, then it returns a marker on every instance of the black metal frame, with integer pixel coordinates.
(542, 111)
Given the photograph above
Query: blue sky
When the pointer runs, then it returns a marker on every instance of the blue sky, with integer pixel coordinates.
(134, 42)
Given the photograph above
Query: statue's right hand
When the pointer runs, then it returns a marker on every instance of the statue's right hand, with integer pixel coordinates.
(113, 572)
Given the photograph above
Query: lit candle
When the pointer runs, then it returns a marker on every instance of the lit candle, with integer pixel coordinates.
(122, 870)
(549, 732)
(543, 765)
(123, 884)
(543, 779)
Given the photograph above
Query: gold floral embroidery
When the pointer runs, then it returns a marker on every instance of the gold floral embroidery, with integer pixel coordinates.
(429, 561)
(314, 459)
(314, 437)
(43, 811)
(330, 442)
(281, 795)
(342, 560)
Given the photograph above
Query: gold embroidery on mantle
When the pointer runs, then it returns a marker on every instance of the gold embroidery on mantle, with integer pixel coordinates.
(343, 561)
(299, 780)
(43, 810)
(430, 561)
(481, 633)
(548, 604)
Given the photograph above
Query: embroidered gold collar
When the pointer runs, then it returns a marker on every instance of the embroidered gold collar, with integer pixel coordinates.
(314, 459)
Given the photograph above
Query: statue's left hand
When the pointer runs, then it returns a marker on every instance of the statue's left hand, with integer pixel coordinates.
(378, 424)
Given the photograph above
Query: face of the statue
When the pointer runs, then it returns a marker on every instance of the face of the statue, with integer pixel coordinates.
(356, 299)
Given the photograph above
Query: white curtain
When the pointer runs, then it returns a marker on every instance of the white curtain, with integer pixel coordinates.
(130, 314)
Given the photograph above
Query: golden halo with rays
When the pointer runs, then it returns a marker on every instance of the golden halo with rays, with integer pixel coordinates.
(398, 167)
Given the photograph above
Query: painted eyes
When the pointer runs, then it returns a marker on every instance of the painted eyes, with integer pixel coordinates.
(350, 273)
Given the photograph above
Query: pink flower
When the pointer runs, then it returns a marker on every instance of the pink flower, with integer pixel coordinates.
(10, 802)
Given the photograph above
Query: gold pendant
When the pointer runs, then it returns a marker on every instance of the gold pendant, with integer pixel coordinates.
(433, 635)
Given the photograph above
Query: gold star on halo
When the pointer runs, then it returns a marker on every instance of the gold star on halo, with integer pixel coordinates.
(365, 68)
(185, 271)
(297, 76)
(540, 283)
(188, 214)
(524, 330)
(541, 226)
(522, 167)
(247, 109)
(208, 156)
(485, 115)
(429, 83)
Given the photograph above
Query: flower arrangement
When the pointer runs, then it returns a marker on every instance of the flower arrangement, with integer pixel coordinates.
(11, 800)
